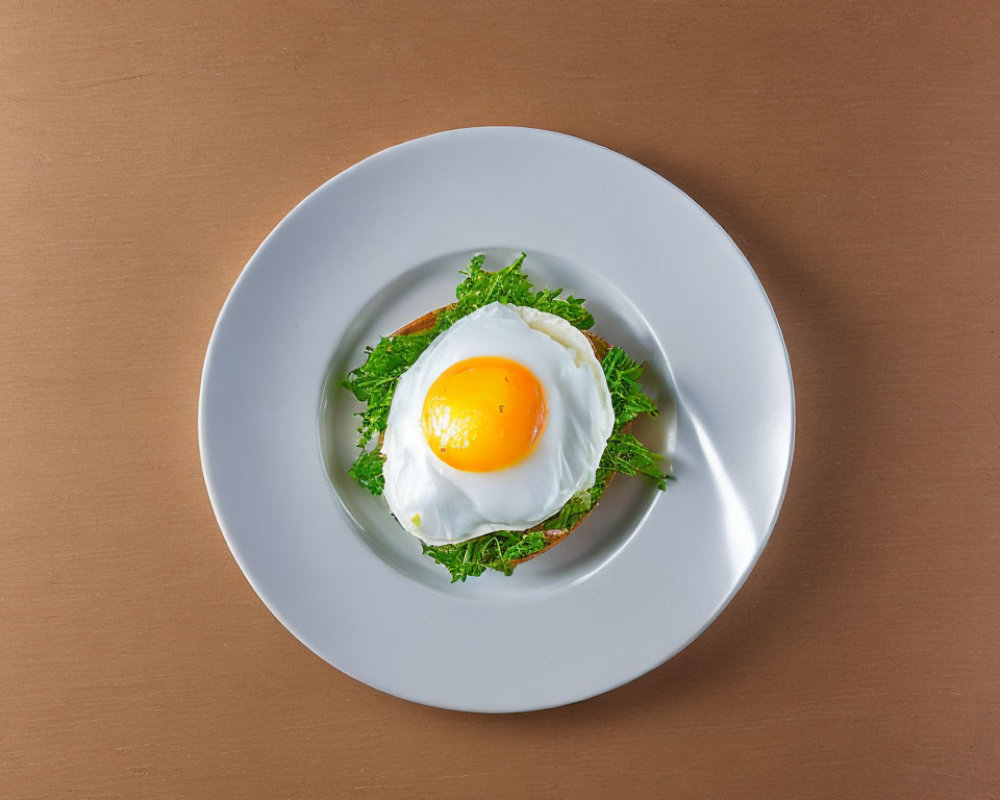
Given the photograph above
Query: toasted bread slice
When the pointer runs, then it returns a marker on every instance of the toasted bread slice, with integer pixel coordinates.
(601, 347)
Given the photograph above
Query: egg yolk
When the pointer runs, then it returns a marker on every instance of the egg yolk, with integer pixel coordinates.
(484, 414)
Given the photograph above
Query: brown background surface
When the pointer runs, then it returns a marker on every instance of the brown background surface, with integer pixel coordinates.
(853, 153)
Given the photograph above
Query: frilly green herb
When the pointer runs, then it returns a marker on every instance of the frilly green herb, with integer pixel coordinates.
(374, 382)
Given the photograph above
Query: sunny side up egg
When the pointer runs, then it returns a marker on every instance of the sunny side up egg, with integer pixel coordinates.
(500, 421)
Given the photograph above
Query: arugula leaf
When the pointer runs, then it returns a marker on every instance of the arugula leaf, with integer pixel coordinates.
(496, 551)
(627, 455)
(622, 374)
(511, 286)
(367, 471)
(374, 383)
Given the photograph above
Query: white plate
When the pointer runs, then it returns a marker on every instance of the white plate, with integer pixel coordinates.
(379, 245)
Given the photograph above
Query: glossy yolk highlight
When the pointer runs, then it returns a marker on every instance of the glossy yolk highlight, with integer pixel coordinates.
(484, 414)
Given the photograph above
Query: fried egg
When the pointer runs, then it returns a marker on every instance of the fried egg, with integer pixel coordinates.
(500, 421)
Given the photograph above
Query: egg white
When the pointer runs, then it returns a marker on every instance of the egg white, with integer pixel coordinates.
(440, 504)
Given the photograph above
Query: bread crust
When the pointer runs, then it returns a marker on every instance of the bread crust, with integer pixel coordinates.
(600, 346)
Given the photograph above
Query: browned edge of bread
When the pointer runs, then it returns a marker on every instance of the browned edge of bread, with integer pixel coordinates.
(601, 347)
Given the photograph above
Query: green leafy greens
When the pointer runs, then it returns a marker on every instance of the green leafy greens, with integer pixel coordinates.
(374, 382)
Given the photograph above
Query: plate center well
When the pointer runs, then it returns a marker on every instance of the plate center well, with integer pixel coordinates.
(624, 506)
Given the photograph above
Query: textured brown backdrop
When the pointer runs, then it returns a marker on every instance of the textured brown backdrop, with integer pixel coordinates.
(851, 149)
